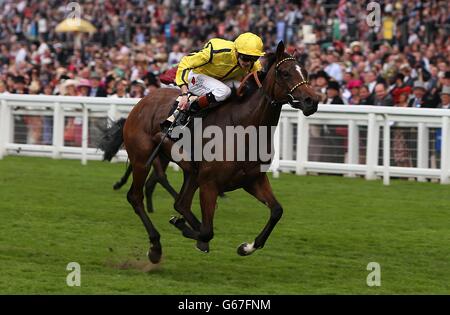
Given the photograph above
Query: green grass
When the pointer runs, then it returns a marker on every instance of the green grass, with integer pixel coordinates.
(53, 212)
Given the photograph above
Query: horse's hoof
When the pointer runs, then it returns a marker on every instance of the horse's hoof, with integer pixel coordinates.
(177, 222)
(203, 246)
(245, 249)
(154, 255)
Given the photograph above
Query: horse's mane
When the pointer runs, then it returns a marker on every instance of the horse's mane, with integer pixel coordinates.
(251, 85)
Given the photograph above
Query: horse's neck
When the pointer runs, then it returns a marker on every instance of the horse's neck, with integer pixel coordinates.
(267, 113)
(259, 111)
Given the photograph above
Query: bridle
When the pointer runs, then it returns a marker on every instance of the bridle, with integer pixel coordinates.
(294, 102)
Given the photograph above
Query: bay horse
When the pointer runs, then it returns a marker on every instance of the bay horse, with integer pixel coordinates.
(284, 82)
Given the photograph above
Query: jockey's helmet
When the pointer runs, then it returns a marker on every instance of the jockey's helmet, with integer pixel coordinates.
(249, 44)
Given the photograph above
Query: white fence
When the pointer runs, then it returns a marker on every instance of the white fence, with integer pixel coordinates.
(37, 125)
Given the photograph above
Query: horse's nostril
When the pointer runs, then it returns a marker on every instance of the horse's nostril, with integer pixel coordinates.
(308, 100)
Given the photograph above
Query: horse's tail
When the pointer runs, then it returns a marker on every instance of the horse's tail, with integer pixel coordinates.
(112, 139)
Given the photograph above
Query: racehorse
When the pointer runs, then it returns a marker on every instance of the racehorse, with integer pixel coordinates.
(284, 81)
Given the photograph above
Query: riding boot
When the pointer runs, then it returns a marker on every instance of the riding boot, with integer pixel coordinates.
(170, 118)
(202, 102)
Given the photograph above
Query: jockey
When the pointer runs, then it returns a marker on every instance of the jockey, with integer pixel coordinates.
(209, 73)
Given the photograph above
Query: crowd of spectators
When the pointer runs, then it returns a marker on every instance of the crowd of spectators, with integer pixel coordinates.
(401, 61)
(407, 54)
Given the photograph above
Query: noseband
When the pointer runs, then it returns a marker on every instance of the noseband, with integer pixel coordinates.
(292, 99)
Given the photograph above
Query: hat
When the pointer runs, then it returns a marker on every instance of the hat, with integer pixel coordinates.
(355, 43)
(139, 82)
(388, 8)
(322, 74)
(19, 79)
(84, 82)
(404, 90)
(95, 76)
(65, 84)
(333, 85)
(405, 66)
(446, 90)
(354, 84)
(419, 85)
(400, 76)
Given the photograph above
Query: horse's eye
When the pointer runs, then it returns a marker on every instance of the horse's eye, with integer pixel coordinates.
(285, 74)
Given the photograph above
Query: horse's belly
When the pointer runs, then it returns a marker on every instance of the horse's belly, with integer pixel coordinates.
(242, 177)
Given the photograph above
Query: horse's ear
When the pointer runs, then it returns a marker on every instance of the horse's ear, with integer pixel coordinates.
(280, 50)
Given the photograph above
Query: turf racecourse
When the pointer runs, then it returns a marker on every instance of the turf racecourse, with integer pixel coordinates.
(53, 212)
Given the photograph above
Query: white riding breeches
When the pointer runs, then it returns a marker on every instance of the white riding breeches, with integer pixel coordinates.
(201, 84)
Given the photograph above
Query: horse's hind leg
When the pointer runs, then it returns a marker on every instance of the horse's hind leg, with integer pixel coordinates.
(183, 205)
(135, 197)
(262, 191)
(164, 181)
(150, 185)
(158, 175)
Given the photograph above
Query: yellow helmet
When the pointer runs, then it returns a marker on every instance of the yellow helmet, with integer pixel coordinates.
(249, 44)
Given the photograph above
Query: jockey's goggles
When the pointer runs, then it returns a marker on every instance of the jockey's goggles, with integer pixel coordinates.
(248, 58)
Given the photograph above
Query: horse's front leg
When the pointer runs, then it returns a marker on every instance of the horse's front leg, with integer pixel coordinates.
(208, 203)
(262, 191)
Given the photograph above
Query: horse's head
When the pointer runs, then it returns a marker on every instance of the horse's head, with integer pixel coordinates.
(290, 83)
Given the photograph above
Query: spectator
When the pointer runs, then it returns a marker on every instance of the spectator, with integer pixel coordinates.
(370, 80)
(19, 85)
(333, 93)
(445, 98)
(405, 70)
(333, 69)
(138, 89)
(354, 88)
(96, 89)
(420, 98)
(321, 83)
(68, 88)
(120, 89)
(3, 89)
(175, 55)
(366, 97)
(382, 98)
(398, 87)
(84, 87)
